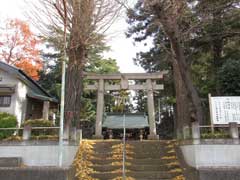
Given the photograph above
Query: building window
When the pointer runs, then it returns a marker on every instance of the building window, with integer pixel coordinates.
(5, 101)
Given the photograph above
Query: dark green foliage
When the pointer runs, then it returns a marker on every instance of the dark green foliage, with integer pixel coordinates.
(88, 111)
(202, 74)
(97, 63)
(50, 76)
(229, 78)
(40, 123)
(211, 30)
(101, 66)
(45, 137)
(7, 121)
(216, 135)
(216, 40)
(142, 27)
(51, 81)
(166, 128)
(141, 99)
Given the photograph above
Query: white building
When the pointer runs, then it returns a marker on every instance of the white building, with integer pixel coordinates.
(22, 96)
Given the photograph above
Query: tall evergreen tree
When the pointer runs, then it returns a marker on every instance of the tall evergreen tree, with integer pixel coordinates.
(209, 33)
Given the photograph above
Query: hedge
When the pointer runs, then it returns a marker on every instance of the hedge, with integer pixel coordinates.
(40, 123)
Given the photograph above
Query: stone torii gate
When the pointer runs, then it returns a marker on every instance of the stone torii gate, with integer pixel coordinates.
(101, 85)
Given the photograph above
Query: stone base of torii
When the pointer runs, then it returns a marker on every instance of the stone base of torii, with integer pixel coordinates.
(150, 85)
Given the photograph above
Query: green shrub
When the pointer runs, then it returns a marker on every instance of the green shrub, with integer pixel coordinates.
(45, 137)
(216, 135)
(40, 123)
(7, 121)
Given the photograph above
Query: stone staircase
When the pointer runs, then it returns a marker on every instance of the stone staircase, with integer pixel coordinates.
(145, 160)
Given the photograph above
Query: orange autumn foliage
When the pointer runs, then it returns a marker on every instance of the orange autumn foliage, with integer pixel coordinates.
(19, 47)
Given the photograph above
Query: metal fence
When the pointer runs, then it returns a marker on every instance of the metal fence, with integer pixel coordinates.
(29, 132)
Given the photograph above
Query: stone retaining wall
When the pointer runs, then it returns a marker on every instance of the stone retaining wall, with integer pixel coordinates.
(39, 153)
(37, 173)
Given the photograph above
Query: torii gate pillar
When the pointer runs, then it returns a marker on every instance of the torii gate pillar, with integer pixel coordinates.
(151, 112)
(100, 110)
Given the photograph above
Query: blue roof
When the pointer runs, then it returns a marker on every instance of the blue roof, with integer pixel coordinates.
(132, 121)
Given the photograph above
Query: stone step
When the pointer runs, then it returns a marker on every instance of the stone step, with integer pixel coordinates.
(138, 149)
(134, 143)
(150, 143)
(135, 146)
(105, 143)
(134, 167)
(10, 161)
(136, 155)
(146, 161)
(153, 175)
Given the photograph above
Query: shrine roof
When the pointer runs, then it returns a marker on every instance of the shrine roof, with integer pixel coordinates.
(132, 121)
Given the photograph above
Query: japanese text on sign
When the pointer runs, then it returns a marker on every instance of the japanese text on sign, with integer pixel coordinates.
(225, 109)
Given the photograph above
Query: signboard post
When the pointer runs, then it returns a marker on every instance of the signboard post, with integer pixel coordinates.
(224, 109)
(211, 115)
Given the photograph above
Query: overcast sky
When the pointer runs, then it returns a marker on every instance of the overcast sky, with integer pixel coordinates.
(122, 48)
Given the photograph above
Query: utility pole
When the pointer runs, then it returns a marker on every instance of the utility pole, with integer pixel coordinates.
(124, 140)
(63, 87)
(159, 111)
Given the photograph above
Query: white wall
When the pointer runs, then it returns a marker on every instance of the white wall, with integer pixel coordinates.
(40, 155)
(18, 99)
(214, 155)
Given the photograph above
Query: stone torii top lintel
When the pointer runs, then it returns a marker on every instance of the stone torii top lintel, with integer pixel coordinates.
(129, 76)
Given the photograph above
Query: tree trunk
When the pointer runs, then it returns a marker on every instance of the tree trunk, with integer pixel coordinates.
(74, 86)
(169, 14)
(77, 53)
(182, 102)
(180, 61)
(186, 76)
